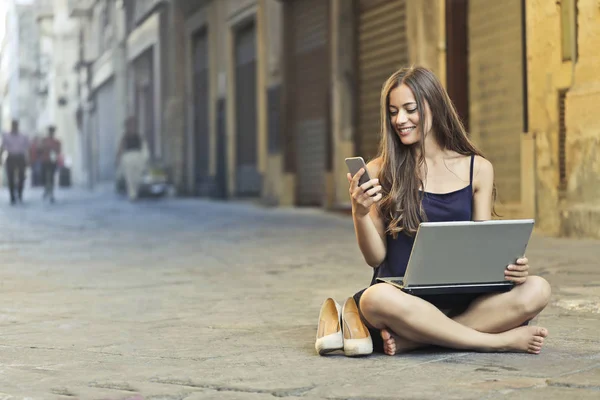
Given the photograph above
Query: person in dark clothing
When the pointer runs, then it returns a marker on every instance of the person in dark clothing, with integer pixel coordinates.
(17, 146)
(50, 150)
(428, 169)
(132, 159)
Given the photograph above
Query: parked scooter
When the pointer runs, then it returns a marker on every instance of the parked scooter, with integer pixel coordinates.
(155, 180)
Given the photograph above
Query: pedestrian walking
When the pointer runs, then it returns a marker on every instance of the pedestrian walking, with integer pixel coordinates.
(132, 159)
(427, 169)
(50, 152)
(35, 162)
(16, 145)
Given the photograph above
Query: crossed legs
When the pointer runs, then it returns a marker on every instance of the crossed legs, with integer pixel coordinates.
(490, 323)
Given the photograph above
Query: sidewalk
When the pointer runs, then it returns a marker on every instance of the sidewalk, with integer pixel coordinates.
(199, 299)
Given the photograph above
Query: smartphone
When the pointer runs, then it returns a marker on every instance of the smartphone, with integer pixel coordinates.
(356, 163)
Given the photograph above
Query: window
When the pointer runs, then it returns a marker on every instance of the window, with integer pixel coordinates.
(568, 25)
(562, 143)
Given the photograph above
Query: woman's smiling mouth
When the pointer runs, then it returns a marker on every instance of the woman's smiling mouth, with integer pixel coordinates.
(406, 131)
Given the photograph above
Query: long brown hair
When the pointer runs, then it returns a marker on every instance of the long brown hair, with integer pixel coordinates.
(399, 174)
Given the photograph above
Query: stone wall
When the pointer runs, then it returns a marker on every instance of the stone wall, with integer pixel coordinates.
(580, 211)
(573, 213)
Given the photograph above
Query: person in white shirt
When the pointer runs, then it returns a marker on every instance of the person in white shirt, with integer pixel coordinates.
(17, 146)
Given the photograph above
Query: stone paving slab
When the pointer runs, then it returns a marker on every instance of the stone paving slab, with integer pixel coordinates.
(196, 299)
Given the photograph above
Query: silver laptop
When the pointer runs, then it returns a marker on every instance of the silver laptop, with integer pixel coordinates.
(463, 256)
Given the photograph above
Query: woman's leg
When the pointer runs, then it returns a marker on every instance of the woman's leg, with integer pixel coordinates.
(500, 312)
(126, 164)
(385, 307)
(138, 164)
(493, 313)
(133, 168)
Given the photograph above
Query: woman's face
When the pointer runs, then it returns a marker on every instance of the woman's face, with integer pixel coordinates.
(404, 115)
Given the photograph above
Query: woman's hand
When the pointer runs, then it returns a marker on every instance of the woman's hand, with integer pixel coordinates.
(364, 196)
(518, 272)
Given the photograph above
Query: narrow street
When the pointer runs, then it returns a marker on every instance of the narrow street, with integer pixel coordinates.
(198, 299)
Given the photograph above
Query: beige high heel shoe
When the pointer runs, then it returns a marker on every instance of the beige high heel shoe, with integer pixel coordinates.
(329, 331)
(357, 339)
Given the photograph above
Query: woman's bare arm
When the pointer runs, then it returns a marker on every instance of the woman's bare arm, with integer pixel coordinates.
(483, 183)
(369, 227)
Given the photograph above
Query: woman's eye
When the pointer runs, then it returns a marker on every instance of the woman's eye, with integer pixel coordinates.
(393, 113)
(411, 111)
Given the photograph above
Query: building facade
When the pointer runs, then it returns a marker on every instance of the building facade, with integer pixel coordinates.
(101, 84)
(274, 94)
(264, 99)
(57, 104)
(146, 74)
(37, 85)
(563, 91)
(223, 69)
(18, 80)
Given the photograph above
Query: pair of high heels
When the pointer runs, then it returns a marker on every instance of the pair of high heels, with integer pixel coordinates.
(342, 329)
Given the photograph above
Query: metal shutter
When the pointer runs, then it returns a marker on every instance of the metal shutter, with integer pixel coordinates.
(496, 89)
(382, 49)
(247, 176)
(201, 142)
(309, 70)
(108, 133)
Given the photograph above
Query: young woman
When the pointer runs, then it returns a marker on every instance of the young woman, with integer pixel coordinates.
(428, 169)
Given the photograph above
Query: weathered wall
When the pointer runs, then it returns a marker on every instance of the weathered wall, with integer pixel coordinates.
(546, 75)
(344, 78)
(579, 213)
(174, 112)
(271, 12)
(234, 13)
(496, 93)
(426, 35)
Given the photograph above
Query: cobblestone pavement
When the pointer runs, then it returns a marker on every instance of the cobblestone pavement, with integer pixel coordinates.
(197, 299)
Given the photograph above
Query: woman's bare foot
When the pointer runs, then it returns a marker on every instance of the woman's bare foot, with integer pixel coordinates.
(523, 339)
(394, 344)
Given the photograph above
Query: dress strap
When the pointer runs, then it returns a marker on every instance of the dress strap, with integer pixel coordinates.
(471, 173)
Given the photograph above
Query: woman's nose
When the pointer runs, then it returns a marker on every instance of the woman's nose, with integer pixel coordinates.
(401, 118)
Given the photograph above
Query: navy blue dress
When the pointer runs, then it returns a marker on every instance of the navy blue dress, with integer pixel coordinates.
(439, 207)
